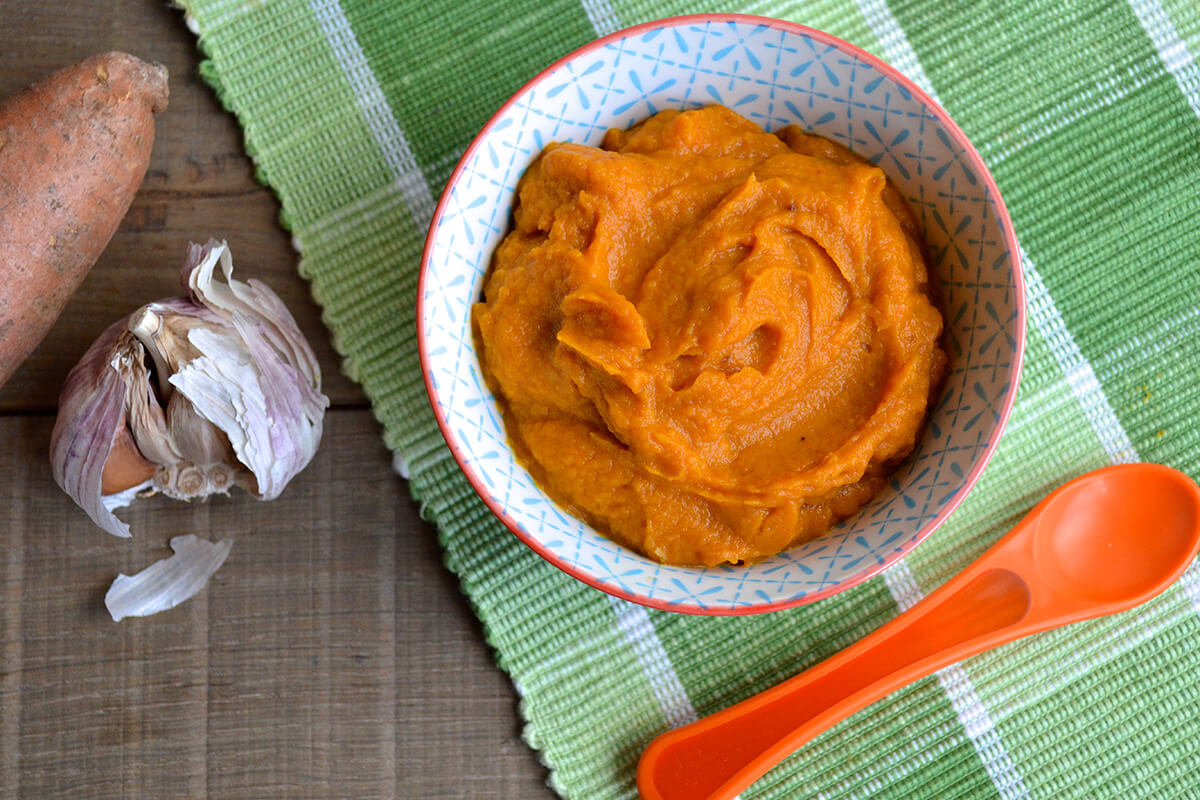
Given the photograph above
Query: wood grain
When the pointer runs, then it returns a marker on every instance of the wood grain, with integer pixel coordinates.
(332, 655)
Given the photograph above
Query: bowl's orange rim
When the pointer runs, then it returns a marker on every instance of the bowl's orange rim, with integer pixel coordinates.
(976, 162)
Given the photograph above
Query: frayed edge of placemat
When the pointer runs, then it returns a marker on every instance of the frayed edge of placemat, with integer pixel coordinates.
(401, 464)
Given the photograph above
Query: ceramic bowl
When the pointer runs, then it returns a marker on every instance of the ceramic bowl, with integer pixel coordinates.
(776, 74)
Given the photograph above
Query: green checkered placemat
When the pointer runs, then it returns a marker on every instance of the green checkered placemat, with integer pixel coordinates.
(1087, 112)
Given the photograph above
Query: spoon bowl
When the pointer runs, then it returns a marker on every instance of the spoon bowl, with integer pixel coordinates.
(1102, 543)
(1112, 535)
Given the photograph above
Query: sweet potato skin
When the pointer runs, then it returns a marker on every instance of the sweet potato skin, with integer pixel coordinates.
(74, 148)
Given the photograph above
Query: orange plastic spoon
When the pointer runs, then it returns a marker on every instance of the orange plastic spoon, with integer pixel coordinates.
(1102, 543)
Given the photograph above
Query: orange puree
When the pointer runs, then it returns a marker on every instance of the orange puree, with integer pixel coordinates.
(710, 342)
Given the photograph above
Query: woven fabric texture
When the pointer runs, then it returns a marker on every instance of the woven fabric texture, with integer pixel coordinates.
(1088, 114)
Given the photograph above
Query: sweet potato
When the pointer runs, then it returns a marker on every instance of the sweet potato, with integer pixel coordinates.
(74, 148)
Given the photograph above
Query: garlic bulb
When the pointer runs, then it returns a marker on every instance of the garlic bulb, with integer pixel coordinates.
(190, 396)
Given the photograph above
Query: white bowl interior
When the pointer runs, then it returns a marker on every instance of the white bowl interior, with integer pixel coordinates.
(774, 76)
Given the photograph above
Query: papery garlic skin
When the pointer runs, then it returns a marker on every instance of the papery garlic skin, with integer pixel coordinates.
(233, 397)
(167, 583)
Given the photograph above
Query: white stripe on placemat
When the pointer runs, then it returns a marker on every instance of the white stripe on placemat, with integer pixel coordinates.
(1178, 331)
(375, 110)
(1044, 314)
(397, 153)
(972, 713)
(899, 52)
(1190, 584)
(634, 624)
(600, 14)
(400, 465)
(896, 48)
(1108, 91)
(1171, 48)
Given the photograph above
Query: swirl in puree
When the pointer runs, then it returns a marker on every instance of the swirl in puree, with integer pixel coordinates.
(709, 342)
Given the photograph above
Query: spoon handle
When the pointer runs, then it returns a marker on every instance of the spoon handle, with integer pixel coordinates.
(718, 756)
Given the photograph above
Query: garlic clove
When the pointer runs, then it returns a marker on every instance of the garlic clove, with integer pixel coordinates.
(196, 438)
(90, 419)
(125, 466)
(163, 327)
(167, 583)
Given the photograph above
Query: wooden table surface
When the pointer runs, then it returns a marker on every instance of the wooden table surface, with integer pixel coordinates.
(332, 655)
